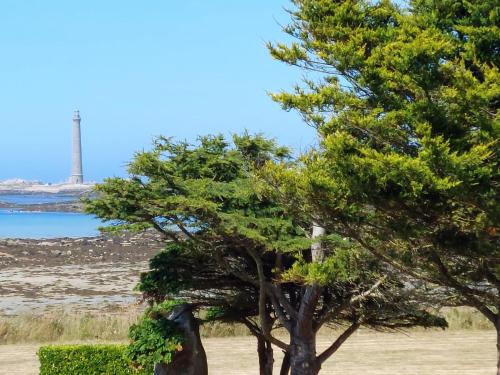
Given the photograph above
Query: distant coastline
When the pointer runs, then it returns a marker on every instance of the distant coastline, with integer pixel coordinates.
(73, 206)
(19, 186)
(34, 188)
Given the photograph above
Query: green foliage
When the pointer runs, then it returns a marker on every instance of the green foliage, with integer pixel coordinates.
(155, 338)
(215, 313)
(339, 267)
(258, 150)
(406, 103)
(191, 188)
(234, 247)
(87, 360)
(174, 275)
(117, 228)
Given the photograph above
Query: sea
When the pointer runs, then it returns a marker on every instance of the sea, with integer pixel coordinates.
(15, 223)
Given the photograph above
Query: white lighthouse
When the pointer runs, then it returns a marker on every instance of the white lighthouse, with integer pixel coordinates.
(76, 162)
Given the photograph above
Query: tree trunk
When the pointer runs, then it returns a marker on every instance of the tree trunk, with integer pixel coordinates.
(285, 365)
(497, 326)
(317, 251)
(266, 358)
(303, 359)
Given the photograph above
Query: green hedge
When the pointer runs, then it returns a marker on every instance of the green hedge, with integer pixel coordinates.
(86, 360)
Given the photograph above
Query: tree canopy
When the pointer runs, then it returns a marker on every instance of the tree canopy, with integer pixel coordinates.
(405, 100)
(235, 250)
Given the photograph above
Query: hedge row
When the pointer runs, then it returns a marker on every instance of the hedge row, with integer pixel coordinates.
(86, 360)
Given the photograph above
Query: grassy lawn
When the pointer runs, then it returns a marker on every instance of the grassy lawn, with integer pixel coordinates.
(417, 353)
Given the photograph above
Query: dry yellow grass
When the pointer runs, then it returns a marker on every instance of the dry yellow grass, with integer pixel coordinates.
(419, 353)
(63, 325)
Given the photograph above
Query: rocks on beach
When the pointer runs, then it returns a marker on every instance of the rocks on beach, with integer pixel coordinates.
(126, 246)
(79, 273)
(20, 186)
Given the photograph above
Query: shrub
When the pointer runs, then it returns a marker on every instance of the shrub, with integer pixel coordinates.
(155, 339)
(87, 360)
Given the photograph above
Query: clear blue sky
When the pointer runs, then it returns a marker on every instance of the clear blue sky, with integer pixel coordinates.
(135, 69)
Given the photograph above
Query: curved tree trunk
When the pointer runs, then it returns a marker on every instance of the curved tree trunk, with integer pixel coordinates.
(266, 357)
(285, 365)
(192, 359)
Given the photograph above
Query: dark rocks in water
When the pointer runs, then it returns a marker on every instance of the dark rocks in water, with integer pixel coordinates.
(192, 360)
(44, 207)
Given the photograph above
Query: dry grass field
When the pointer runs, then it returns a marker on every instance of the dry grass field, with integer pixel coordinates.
(367, 353)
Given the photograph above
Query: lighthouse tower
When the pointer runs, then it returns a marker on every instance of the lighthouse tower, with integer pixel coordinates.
(76, 165)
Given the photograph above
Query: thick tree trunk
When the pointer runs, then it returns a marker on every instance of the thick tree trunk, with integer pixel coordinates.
(497, 326)
(303, 359)
(266, 358)
(285, 365)
(192, 359)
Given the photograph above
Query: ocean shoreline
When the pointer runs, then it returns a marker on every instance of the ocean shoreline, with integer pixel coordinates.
(70, 195)
(73, 206)
(80, 274)
(18, 186)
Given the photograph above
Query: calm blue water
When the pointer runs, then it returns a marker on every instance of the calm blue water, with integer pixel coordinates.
(35, 225)
(36, 198)
(47, 225)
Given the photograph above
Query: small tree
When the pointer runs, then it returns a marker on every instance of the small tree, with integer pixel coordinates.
(174, 196)
(184, 270)
(406, 105)
(235, 248)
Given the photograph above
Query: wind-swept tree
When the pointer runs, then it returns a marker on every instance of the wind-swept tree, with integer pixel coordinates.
(170, 189)
(235, 249)
(405, 99)
(184, 270)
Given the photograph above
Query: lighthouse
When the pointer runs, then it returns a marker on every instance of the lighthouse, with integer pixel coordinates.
(76, 160)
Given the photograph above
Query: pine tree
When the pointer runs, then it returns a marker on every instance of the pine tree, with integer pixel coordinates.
(405, 99)
(235, 250)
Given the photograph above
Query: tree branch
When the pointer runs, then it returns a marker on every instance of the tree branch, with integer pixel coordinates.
(159, 228)
(287, 306)
(338, 343)
(242, 276)
(465, 290)
(264, 318)
(309, 302)
(349, 302)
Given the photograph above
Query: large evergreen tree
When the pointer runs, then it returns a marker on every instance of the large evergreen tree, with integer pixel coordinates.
(238, 252)
(405, 99)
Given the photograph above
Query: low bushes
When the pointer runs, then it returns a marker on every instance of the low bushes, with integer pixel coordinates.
(87, 360)
(154, 339)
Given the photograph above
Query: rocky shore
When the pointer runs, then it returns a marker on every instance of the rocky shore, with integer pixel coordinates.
(126, 247)
(77, 274)
(73, 206)
(20, 186)
(71, 193)
(87, 273)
